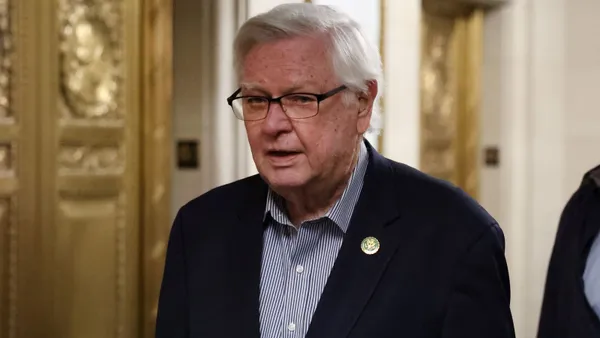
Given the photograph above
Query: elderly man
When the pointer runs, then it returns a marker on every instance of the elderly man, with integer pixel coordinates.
(331, 239)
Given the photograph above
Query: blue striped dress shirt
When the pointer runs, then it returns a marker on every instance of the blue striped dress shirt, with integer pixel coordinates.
(296, 262)
(591, 277)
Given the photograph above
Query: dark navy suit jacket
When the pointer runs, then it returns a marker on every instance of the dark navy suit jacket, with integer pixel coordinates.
(566, 312)
(440, 271)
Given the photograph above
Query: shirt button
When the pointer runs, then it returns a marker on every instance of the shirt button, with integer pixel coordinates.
(299, 269)
(291, 326)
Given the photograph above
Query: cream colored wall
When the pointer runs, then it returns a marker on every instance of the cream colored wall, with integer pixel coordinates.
(582, 85)
(402, 54)
(541, 86)
(259, 6)
(505, 108)
(189, 96)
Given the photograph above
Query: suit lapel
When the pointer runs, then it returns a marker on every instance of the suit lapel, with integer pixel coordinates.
(355, 274)
(245, 262)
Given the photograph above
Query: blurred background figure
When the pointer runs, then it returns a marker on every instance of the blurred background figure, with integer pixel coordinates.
(112, 117)
(571, 306)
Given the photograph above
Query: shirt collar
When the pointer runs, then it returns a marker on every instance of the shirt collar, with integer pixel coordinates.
(341, 211)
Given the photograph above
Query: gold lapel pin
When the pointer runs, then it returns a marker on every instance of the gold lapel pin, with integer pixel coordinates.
(370, 245)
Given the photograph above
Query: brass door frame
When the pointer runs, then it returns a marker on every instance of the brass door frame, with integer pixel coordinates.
(19, 216)
(156, 99)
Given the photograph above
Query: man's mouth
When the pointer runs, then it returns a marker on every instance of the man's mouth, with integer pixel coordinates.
(282, 153)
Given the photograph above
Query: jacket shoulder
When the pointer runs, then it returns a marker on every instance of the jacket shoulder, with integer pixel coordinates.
(224, 197)
(439, 202)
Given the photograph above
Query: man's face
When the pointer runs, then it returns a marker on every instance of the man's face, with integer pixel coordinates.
(290, 153)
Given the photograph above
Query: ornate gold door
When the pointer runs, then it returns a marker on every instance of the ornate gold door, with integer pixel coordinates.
(90, 155)
(74, 238)
(450, 90)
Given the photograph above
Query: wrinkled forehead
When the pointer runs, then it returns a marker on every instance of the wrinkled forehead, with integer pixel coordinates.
(287, 62)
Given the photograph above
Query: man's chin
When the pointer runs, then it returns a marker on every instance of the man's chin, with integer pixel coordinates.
(284, 179)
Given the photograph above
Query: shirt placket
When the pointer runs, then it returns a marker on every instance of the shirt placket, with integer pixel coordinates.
(296, 287)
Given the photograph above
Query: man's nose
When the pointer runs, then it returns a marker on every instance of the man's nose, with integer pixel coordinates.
(276, 120)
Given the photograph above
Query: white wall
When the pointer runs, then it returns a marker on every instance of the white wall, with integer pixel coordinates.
(582, 85)
(523, 113)
(259, 6)
(189, 96)
(505, 106)
(540, 90)
(402, 55)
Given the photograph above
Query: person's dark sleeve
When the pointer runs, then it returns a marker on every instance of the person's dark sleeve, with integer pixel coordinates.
(172, 320)
(479, 305)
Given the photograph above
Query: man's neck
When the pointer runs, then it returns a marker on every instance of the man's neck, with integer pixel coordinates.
(315, 200)
(308, 205)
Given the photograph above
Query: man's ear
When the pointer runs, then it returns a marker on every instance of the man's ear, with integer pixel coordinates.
(363, 104)
(366, 99)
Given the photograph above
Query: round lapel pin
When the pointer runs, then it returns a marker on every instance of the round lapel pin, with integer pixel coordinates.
(370, 245)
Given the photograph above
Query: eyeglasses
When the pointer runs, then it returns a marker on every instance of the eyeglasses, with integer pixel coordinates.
(294, 105)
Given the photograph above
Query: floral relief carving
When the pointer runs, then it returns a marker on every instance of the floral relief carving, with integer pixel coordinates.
(91, 160)
(90, 59)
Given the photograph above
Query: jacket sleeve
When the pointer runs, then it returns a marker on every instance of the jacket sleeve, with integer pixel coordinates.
(172, 319)
(479, 303)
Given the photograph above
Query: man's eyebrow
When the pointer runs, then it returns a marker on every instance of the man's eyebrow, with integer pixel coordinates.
(254, 86)
(290, 90)
(301, 87)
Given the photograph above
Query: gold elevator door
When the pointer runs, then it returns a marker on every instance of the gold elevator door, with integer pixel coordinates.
(83, 172)
(450, 87)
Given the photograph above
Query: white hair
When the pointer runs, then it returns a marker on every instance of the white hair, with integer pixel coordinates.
(355, 59)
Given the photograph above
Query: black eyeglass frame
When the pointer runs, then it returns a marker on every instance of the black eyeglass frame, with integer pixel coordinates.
(319, 97)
